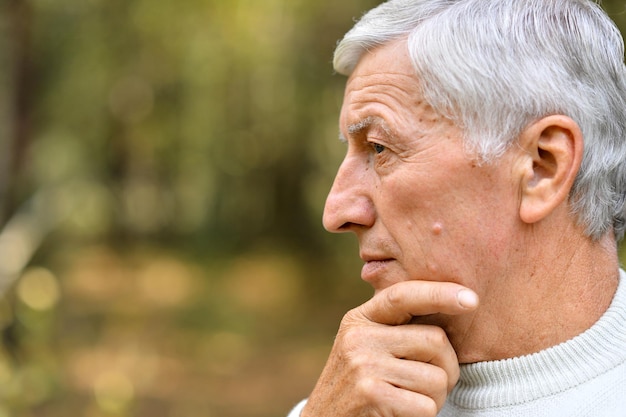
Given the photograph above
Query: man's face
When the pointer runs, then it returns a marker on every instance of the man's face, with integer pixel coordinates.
(421, 207)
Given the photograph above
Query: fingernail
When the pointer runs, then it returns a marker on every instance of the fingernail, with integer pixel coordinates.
(467, 299)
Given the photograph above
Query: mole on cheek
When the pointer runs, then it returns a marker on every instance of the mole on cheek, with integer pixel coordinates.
(432, 267)
(437, 229)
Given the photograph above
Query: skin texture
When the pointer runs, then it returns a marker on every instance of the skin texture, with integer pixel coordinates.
(437, 232)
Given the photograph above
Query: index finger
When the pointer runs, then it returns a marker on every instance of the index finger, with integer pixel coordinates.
(399, 303)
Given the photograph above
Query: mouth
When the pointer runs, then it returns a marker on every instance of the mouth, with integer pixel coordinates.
(374, 269)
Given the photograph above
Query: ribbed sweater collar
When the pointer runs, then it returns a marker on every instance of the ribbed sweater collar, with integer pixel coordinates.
(518, 380)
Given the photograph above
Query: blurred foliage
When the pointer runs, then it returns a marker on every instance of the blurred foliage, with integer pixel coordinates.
(163, 168)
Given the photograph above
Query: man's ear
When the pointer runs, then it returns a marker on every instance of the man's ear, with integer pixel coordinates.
(554, 150)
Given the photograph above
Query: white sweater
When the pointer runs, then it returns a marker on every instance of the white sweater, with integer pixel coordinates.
(585, 376)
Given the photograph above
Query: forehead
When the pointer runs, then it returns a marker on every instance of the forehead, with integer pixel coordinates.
(384, 87)
(392, 58)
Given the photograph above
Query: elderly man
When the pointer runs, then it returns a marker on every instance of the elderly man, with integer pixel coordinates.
(485, 179)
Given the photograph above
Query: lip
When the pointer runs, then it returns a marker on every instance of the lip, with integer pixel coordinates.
(374, 269)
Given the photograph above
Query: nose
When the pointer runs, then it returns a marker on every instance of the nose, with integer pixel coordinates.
(349, 204)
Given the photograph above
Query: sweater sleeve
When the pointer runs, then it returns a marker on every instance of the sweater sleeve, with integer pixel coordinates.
(297, 409)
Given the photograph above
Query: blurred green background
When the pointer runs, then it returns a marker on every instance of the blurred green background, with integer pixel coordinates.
(163, 169)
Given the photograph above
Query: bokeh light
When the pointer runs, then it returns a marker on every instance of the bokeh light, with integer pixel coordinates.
(39, 289)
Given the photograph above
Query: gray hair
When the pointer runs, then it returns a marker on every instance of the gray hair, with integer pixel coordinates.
(495, 66)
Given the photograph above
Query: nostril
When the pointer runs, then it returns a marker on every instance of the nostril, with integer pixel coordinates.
(345, 227)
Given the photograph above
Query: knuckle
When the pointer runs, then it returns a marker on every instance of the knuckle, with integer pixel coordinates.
(359, 362)
(453, 378)
(351, 318)
(394, 305)
(353, 327)
(437, 389)
(439, 379)
(368, 390)
(436, 336)
(353, 346)
(354, 336)
(394, 295)
(429, 408)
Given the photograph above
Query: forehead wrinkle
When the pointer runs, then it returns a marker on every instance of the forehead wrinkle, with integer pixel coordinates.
(397, 101)
(387, 92)
(395, 94)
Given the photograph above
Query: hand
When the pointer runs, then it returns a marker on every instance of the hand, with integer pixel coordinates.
(381, 365)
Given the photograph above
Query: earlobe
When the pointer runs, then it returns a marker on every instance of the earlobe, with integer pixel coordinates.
(553, 153)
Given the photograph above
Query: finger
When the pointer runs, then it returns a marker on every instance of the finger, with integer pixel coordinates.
(426, 344)
(415, 342)
(421, 378)
(410, 343)
(398, 303)
(389, 400)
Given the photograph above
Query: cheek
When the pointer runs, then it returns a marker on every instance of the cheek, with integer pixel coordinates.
(411, 201)
(436, 231)
(427, 249)
(448, 250)
(438, 224)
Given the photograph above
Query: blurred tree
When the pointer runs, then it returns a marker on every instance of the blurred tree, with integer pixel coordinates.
(19, 87)
(202, 119)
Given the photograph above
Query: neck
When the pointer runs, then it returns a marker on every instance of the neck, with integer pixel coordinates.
(531, 306)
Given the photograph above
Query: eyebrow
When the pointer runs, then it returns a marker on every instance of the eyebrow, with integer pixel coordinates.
(364, 124)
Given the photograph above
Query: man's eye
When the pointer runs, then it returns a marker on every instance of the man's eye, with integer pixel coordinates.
(378, 148)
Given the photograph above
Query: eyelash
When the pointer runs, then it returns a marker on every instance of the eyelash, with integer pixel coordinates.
(378, 148)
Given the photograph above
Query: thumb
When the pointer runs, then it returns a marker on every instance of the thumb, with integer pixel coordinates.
(399, 303)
